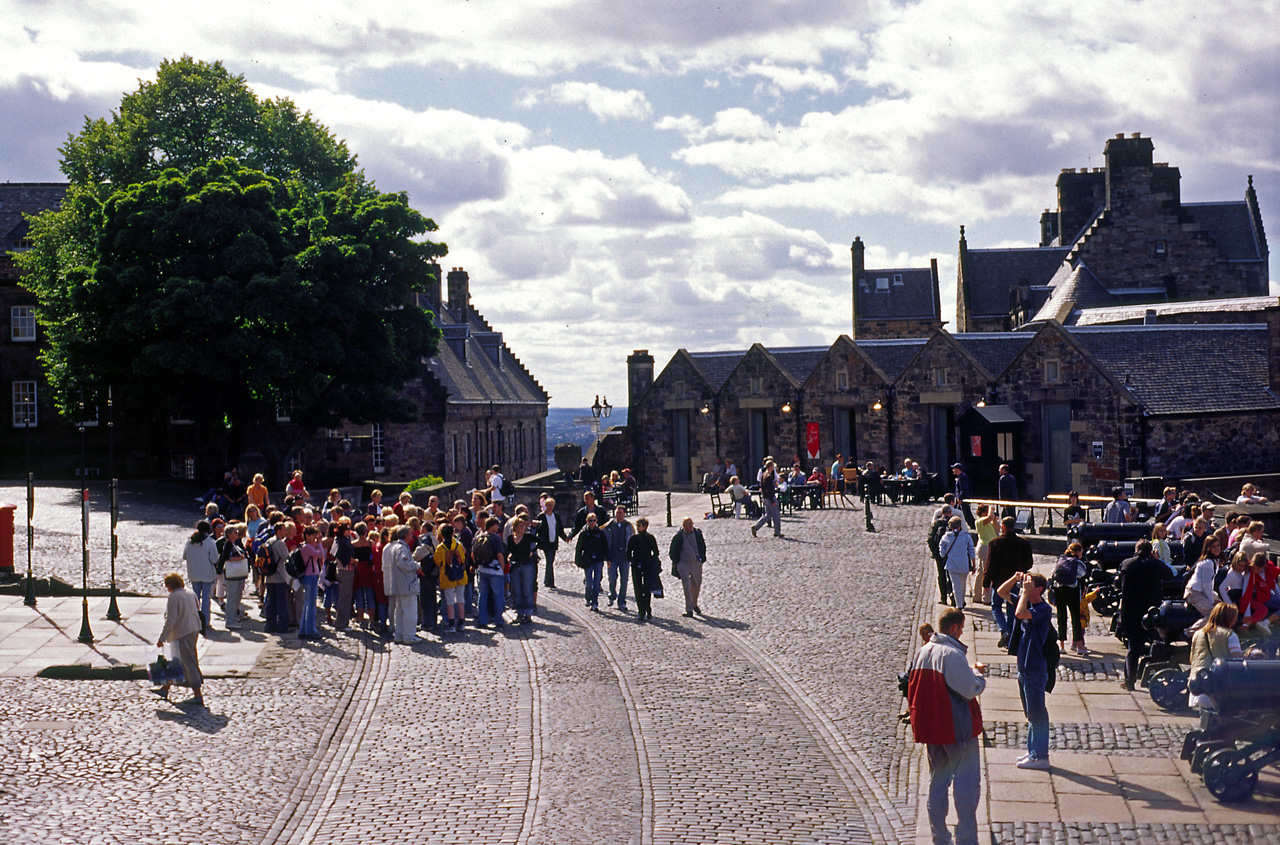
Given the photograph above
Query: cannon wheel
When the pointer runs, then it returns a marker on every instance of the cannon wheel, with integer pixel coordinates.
(1106, 603)
(1229, 776)
(1169, 689)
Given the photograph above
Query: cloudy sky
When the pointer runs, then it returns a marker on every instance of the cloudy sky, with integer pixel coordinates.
(621, 175)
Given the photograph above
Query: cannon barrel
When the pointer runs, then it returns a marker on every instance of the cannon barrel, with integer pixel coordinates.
(1169, 619)
(1237, 685)
(1089, 533)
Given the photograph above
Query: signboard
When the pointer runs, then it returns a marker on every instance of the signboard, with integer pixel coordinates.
(975, 445)
(812, 441)
(1097, 450)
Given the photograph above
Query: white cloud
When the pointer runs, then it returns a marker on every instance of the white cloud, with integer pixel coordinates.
(604, 103)
(787, 79)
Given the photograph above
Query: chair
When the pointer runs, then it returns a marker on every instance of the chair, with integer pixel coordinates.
(850, 482)
(717, 503)
(832, 492)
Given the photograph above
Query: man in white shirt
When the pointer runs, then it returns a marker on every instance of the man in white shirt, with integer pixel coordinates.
(495, 485)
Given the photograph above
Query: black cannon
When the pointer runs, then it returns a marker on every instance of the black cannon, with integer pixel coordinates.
(1242, 729)
(1163, 669)
(1091, 533)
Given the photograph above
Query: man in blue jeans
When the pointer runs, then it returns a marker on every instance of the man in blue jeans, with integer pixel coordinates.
(490, 558)
(590, 556)
(1033, 615)
(942, 694)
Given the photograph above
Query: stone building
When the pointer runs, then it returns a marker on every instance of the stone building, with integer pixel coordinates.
(1121, 236)
(897, 302)
(1078, 406)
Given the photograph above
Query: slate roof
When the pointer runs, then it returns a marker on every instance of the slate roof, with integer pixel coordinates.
(1230, 225)
(1140, 356)
(717, 366)
(993, 273)
(995, 351)
(17, 198)
(1073, 288)
(479, 378)
(1126, 313)
(892, 356)
(800, 362)
(910, 298)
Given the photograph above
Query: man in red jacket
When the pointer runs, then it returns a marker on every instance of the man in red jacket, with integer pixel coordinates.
(942, 693)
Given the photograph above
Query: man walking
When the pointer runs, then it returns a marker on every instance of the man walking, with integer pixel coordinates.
(688, 553)
(769, 495)
(963, 490)
(942, 697)
(619, 531)
(1141, 588)
(1009, 554)
(937, 530)
(1007, 490)
(549, 531)
(590, 557)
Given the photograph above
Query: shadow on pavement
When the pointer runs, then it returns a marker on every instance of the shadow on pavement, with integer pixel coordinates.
(197, 717)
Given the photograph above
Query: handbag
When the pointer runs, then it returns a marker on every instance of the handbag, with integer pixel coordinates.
(166, 671)
(237, 570)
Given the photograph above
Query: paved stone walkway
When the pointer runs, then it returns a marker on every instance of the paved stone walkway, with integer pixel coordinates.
(771, 719)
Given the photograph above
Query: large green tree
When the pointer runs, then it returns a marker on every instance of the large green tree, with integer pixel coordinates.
(220, 257)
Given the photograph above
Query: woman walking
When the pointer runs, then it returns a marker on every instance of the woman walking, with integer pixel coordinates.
(1068, 575)
(182, 627)
(235, 569)
(646, 568)
(201, 554)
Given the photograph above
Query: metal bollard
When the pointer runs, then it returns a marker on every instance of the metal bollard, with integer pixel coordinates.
(867, 503)
(668, 510)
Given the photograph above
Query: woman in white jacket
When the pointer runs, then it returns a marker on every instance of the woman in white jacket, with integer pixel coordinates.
(201, 554)
(958, 557)
(400, 580)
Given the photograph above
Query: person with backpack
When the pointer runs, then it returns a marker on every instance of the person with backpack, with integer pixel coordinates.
(1033, 617)
(1068, 576)
(937, 530)
(276, 579)
(450, 559)
(490, 557)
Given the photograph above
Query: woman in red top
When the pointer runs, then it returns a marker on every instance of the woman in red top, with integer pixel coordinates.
(1259, 605)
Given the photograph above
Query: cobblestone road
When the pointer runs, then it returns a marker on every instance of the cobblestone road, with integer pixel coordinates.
(772, 719)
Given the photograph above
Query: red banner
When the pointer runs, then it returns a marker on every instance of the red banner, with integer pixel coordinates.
(811, 441)
(975, 445)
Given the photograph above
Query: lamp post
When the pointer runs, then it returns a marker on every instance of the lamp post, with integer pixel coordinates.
(707, 408)
(113, 609)
(28, 417)
(86, 634)
(346, 442)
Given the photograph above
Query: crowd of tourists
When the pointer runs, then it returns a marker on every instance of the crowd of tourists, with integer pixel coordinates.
(397, 569)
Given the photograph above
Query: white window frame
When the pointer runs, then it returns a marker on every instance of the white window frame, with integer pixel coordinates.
(1052, 372)
(882, 284)
(897, 278)
(842, 379)
(940, 377)
(25, 404)
(378, 448)
(757, 385)
(22, 323)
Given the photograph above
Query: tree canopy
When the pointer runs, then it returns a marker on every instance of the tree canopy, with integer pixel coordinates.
(219, 257)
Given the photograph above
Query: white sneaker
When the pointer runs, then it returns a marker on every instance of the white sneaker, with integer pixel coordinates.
(1024, 758)
(1033, 763)
(1265, 627)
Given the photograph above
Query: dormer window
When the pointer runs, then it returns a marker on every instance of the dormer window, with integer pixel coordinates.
(897, 279)
(882, 284)
(1161, 247)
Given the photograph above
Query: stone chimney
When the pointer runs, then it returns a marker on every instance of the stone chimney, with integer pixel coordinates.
(962, 285)
(430, 298)
(639, 377)
(459, 292)
(858, 253)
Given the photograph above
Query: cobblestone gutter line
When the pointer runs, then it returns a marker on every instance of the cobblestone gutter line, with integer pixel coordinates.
(626, 685)
(530, 821)
(881, 812)
(318, 783)
(1067, 672)
(1128, 740)
(1024, 833)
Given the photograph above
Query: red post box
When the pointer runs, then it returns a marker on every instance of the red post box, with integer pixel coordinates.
(6, 537)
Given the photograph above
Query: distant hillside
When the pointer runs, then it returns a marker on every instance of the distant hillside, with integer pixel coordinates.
(560, 428)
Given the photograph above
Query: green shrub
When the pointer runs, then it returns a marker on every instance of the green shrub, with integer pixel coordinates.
(419, 483)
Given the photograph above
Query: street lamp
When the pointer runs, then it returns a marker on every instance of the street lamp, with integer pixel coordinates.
(113, 609)
(86, 633)
(346, 442)
(28, 418)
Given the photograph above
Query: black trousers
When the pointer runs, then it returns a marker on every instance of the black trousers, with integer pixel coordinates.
(944, 582)
(549, 578)
(1069, 602)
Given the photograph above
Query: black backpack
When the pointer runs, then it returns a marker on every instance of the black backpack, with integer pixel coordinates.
(482, 551)
(294, 566)
(265, 560)
(1050, 651)
(507, 489)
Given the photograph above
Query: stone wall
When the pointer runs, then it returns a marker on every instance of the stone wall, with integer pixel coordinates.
(824, 397)
(1225, 444)
(917, 393)
(868, 329)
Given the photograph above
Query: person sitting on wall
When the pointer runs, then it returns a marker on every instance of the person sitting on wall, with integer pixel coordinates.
(1249, 495)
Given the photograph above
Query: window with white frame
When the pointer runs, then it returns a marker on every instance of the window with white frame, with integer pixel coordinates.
(882, 284)
(897, 279)
(939, 376)
(1052, 372)
(25, 413)
(842, 379)
(182, 466)
(378, 448)
(757, 385)
(22, 323)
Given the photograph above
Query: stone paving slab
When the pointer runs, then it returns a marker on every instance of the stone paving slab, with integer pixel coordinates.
(33, 639)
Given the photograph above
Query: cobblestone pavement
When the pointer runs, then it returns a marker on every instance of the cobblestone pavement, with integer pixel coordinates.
(771, 719)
